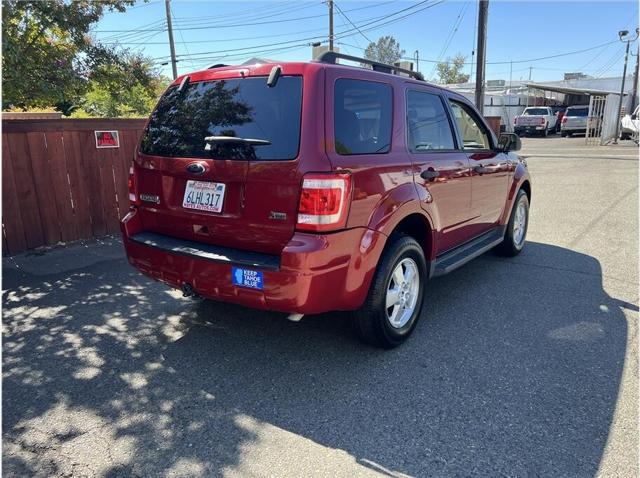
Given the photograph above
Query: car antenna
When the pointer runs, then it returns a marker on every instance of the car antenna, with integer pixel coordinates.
(273, 76)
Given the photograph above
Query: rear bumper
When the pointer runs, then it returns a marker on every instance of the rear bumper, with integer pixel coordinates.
(529, 129)
(573, 129)
(315, 273)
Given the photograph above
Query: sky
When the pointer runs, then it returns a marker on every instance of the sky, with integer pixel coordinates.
(522, 32)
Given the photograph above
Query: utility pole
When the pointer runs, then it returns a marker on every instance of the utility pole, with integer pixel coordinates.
(622, 34)
(483, 13)
(172, 47)
(417, 56)
(330, 3)
(634, 91)
(510, 74)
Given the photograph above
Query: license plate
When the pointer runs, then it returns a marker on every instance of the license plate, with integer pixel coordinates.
(247, 278)
(203, 196)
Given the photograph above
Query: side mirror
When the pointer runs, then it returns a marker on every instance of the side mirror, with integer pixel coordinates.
(509, 142)
(634, 117)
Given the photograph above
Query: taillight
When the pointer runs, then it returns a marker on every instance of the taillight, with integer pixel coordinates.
(543, 121)
(324, 202)
(133, 195)
(515, 120)
(564, 119)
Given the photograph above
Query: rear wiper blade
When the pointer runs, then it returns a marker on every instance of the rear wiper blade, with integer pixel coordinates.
(235, 139)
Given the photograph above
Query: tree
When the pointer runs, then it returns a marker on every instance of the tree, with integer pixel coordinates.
(47, 50)
(450, 71)
(129, 85)
(385, 50)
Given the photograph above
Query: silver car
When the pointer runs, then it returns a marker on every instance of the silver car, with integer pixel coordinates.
(574, 120)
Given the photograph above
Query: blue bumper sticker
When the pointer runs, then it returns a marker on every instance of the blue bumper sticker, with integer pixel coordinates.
(246, 278)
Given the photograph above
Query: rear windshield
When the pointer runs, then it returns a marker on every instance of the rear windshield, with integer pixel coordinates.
(536, 112)
(577, 111)
(242, 108)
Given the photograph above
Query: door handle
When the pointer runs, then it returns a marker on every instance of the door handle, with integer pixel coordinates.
(482, 170)
(429, 174)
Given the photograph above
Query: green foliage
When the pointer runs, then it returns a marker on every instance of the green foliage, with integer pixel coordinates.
(49, 59)
(450, 71)
(385, 50)
(129, 86)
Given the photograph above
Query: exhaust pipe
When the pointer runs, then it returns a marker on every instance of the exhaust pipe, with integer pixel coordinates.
(187, 290)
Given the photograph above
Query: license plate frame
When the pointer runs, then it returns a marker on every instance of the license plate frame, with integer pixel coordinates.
(204, 196)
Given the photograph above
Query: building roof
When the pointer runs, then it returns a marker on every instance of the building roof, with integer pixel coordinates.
(569, 90)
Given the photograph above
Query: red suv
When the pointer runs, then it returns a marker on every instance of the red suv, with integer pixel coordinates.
(311, 187)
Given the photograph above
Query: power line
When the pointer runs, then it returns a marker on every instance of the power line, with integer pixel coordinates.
(260, 15)
(222, 40)
(519, 61)
(186, 48)
(343, 34)
(353, 24)
(609, 63)
(225, 40)
(249, 13)
(233, 25)
(452, 33)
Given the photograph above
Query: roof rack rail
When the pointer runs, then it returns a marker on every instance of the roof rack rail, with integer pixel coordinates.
(217, 65)
(332, 56)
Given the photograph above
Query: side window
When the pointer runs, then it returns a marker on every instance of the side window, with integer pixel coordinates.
(362, 117)
(427, 125)
(473, 134)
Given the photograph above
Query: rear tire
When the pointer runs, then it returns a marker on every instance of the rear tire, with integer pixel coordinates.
(384, 321)
(545, 133)
(516, 233)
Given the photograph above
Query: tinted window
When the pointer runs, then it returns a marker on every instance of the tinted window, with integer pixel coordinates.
(428, 127)
(473, 134)
(244, 108)
(362, 117)
(577, 111)
(535, 112)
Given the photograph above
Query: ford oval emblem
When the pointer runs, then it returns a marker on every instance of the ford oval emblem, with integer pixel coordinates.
(196, 168)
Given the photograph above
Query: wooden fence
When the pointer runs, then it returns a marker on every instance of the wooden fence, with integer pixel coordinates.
(57, 186)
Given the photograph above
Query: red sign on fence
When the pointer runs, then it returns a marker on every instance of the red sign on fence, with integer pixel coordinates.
(107, 139)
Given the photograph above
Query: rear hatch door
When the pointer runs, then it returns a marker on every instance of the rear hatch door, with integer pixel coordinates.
(576, 117)
(197, 183)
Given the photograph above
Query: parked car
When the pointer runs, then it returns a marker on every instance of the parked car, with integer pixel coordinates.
(575, 120)
(313, 187)
(630, 125)
(535, 119)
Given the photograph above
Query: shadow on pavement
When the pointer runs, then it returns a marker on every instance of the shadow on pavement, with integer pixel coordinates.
(514, 369)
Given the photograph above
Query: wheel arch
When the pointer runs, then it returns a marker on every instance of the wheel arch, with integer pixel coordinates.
(418, 226)
(526, 187)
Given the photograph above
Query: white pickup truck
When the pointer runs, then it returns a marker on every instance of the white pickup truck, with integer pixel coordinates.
(535, 119)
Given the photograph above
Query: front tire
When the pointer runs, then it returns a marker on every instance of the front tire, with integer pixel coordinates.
(516, 233)
(394, 302)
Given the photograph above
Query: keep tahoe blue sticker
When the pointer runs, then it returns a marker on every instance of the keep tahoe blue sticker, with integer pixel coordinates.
(246, 278)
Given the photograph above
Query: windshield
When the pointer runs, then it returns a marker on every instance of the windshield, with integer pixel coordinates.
(242, 108)
(577, 111)
(535, 112)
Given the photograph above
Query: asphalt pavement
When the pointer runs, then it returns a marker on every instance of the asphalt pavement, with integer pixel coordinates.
(518, 367)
